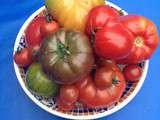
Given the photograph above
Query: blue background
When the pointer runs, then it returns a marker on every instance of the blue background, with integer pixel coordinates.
(15, 105)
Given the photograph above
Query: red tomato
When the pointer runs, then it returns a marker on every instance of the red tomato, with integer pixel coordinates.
(49, 27)
(105, 63)
(113, 41)
(145, 38)
(69, 94)
(104, 77)
(93, 96)
(132, 73)
(63, 106)
(23, 58)
(33, 33)
(38, 29)
(98, 17)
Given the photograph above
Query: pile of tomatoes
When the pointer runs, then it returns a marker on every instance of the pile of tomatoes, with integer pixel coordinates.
(114, 39)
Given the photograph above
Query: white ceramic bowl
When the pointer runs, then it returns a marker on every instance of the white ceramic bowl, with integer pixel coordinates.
(79, 113)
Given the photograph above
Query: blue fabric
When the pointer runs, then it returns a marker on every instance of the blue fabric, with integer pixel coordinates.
(15, 105)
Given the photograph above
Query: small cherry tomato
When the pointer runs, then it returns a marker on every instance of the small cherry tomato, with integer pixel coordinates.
(69, 94)
(132, 73)
(23, 57)
(104, 77)
(49, 26)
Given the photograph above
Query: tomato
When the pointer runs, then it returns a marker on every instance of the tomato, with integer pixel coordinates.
(98, 17)
(63, 106)
(23, 58)
(39, 29)
(49, 26)
(93, 96)
(71, 14)
(145, 38)
(132, 73)
(113, 41)
(105, 63)
(69, 94)
(33, 32)
(66, 56)
(104, 77)
(39, 83)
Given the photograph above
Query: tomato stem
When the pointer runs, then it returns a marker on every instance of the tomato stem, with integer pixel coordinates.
(19, 49)
(121, 12)
(92, 38)
(48, 17)
(62, 50)
(139, 41)
(115, 81)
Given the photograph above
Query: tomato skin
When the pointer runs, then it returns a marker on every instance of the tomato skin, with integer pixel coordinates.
(49, 27)
(145, 38)
(33, 33)
(93, 96)
(106, 63)
(132, 73)
(113, 41)
(87, 90)
(35, 52)
(63, 106)
(104, 77)
(23, 58)
(98, 17)
(69, 94)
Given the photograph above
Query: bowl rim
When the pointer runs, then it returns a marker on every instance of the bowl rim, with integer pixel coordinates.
(54, 112)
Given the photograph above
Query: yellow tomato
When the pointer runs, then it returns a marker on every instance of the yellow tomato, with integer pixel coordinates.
(71, 14)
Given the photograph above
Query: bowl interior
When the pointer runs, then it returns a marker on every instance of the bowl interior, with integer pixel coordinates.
(80, 112)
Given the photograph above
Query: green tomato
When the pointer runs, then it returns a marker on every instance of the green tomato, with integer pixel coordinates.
(39, 83)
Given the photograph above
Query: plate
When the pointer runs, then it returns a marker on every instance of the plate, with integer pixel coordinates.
(80, 112)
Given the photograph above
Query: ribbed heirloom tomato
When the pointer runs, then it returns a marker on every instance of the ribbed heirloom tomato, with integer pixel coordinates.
(66, 56)
(98, 17)
(113, 41)
(145, 38)
(93, 96)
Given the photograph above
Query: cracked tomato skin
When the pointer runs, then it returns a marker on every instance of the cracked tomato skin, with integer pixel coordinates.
(145, 38)
(98, 17)
(66, 56)
(93, 96)
(113, 41)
